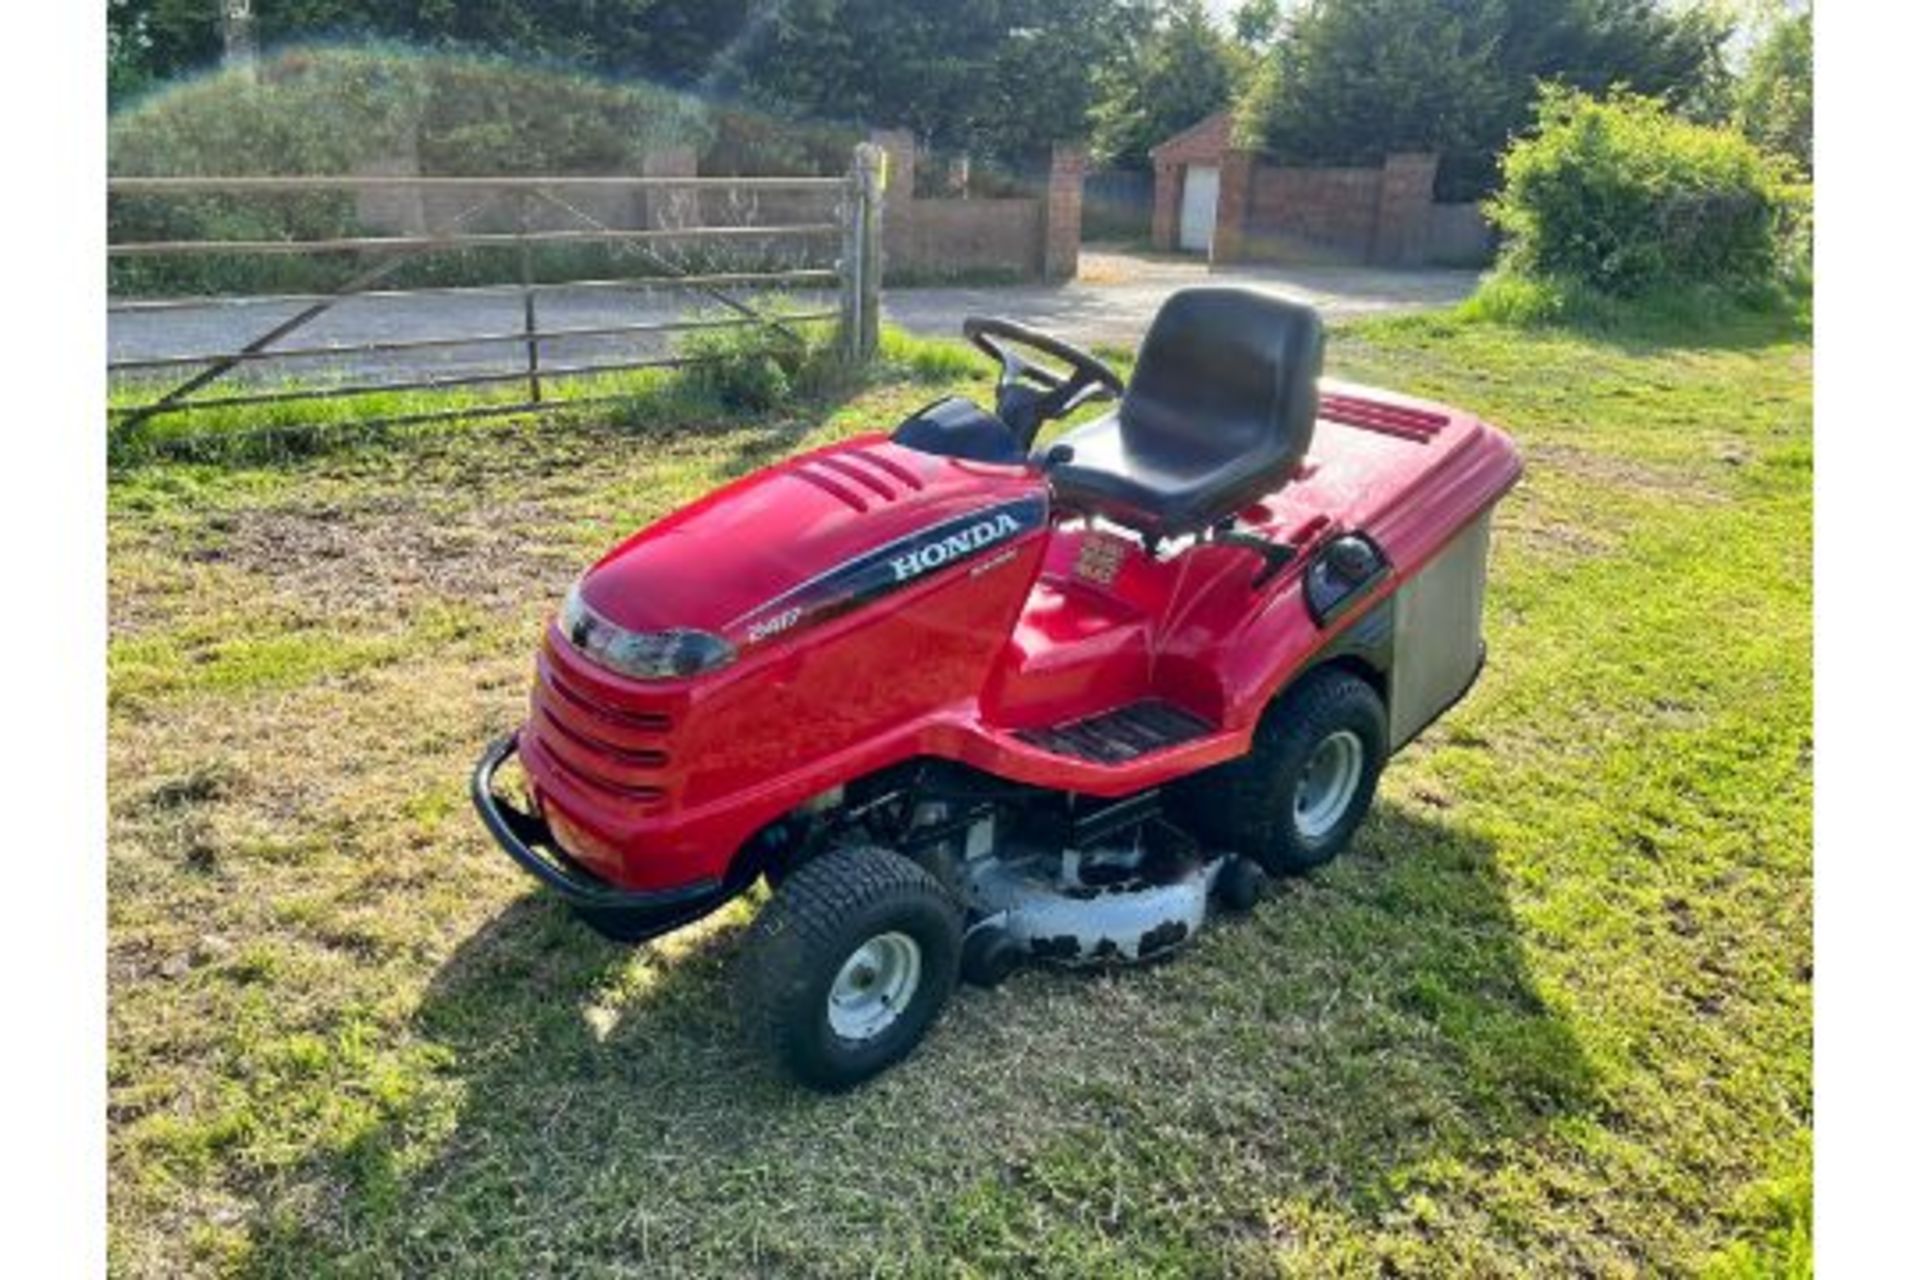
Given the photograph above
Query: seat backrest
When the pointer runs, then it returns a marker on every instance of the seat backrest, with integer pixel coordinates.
(1226, 376)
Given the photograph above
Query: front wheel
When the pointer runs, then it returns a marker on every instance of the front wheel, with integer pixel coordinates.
(1296, 798)
(849, 964)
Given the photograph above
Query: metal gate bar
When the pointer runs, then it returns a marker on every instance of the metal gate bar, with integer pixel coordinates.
(479, 239)
(185, 184)
(796, 276)
(854, 218)
(478, 339)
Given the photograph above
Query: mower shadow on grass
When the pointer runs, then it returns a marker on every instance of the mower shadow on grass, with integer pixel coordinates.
(1367, 1027)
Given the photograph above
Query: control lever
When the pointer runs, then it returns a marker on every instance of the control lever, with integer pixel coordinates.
(1278, 555)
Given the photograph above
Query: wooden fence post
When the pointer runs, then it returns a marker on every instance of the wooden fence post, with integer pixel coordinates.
(860, 262)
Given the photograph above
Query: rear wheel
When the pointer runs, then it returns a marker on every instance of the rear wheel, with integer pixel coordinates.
(849, 964)
(1296, 798)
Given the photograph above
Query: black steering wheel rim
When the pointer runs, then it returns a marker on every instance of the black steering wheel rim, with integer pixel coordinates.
(1087, 370)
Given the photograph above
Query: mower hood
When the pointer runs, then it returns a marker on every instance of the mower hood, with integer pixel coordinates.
(811, 538)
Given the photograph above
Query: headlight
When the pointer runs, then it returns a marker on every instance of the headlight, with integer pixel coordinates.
(644, 655)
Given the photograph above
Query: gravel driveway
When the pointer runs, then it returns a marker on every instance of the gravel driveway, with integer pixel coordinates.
(1112, 301)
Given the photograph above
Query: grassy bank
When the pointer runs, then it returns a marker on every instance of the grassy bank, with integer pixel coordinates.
(1551, 1015)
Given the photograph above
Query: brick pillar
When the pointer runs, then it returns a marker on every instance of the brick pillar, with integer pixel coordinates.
(1060, 255)
(1236, 201)
(1166, 205)
(1403, 221)
(665, 206)
(898, 144)
(896, 201)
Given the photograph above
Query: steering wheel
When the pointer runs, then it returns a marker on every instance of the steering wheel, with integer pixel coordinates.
(1030, 394)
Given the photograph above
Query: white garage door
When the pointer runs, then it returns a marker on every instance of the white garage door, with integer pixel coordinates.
(1198, 197)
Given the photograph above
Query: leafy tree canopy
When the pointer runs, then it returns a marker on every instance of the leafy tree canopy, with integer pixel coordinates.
(669, 40)
(1180, 72)
(1351, 80)
(1773, 103)
(1333, 81)
(999, 77)
(1002, 77)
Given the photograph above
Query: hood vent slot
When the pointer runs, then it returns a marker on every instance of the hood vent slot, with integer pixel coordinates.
(901, 473)
(1388, 419)
(859, 475)
(838, 488)
(858, 478)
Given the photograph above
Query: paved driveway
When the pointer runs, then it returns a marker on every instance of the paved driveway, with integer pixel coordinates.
(1112, 301)
(1117, 294)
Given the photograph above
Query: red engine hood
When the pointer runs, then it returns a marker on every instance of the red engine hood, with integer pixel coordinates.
(746, 556)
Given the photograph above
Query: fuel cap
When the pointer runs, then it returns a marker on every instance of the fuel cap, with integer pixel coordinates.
(1352, 560)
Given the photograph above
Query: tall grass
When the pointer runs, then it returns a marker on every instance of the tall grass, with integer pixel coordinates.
(1511, 296)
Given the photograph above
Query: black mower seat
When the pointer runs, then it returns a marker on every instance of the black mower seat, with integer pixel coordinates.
(1219, 411)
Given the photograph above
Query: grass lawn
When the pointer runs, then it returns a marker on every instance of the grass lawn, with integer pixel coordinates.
(1551, 1015)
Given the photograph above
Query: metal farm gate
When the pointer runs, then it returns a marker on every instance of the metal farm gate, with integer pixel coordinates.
(717, 244)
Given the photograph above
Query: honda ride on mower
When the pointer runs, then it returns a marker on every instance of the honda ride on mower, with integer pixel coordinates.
(964, 702)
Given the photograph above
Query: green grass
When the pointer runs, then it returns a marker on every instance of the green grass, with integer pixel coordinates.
(1669, 315)
(1551, 1015)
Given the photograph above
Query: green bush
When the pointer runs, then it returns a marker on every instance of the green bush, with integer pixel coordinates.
(1795, 234)
(1620, 195)
(751, 368)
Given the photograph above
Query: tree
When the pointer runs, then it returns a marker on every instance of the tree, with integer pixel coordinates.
(997, 77)
(1180, 73)
(1256, 23)
(1002, 77)
(149, 40)
(1773, 103)
(675, 41)
(1351, 80)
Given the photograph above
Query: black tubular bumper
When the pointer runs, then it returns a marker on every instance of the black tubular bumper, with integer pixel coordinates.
(636, 914)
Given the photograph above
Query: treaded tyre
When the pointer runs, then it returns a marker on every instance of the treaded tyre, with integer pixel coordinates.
(848, 965)
(1242, 883)
(1297, 796)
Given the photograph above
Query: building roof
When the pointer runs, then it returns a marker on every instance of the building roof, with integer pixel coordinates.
(1199, 143)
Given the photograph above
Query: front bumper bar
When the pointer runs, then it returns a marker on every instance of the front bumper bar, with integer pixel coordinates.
(633, 915)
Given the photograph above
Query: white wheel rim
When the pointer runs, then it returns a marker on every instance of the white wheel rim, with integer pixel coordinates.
(874, 986)
(1328, 783)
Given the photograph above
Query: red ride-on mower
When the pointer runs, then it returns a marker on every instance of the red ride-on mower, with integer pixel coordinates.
(965, 704)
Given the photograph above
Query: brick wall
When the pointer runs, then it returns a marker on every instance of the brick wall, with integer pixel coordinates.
(1384, 216)
(948, 235)
(1023, 236)
(1400, 226)
(1231, 220)
(1310, 215)
(1066, 179)
(1167, 177)
(1027, 237)
(1459, 235)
